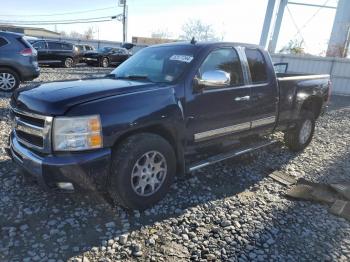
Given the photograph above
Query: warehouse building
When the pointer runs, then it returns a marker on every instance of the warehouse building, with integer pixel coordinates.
(29, 31)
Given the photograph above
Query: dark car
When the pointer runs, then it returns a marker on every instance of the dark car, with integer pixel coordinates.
(18, 61)
(56, 53)
(107, 56)
(83, 49)
(169, 109)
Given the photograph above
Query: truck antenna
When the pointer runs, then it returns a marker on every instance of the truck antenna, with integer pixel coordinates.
(193, 41)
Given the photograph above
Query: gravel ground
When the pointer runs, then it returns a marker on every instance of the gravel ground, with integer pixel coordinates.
(230, 211)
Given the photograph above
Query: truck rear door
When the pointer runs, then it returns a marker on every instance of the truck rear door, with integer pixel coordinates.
(264, 91)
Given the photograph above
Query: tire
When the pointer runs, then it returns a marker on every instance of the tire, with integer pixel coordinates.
(301, 135)
(104, 62)
(9, 80)
(68, 62)
(129, 171)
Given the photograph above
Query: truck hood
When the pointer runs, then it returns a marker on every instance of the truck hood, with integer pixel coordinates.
(57, 97)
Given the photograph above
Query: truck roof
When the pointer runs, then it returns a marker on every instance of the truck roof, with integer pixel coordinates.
(207, 44)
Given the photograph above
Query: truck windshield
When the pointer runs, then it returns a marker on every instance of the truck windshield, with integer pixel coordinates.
(157, 64)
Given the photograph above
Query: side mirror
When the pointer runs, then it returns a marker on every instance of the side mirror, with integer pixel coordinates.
(214, 78)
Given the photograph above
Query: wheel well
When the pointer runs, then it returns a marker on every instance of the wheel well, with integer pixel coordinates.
(313, 104)
(13, 69)
(158, 130)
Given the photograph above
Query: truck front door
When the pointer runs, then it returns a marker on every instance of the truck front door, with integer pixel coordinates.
(217, 112)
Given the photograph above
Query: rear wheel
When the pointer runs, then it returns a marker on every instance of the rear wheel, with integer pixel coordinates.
(143, 168)
(68, 62)
(105, 62)
(301, 135)
(9, 80)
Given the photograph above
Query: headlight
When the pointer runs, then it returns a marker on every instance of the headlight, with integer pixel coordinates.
(77, 133)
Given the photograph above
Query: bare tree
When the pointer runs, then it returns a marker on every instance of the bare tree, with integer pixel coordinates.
(75, 34)
(88, 34)
(63, 33)
(199, 30)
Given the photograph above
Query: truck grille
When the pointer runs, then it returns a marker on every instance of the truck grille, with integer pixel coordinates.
(32, 130)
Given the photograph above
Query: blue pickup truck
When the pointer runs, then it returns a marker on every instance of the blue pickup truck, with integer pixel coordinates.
(168, 110)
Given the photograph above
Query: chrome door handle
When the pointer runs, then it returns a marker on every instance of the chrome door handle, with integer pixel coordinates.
(242, 98)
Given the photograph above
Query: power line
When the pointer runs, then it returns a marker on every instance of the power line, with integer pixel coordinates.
(295, 24)
(66, 23)
(59, 14)
(314, 15)
(55, 21)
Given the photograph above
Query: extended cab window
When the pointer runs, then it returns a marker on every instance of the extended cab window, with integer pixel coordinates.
(257, 66)
(225, 59)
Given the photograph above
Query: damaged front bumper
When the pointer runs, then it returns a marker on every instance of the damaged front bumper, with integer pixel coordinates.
(87, 170)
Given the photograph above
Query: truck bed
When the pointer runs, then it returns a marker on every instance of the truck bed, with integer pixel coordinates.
(292, 85)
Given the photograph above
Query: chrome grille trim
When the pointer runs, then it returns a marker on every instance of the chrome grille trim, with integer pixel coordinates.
(34, 130)
(29, 128)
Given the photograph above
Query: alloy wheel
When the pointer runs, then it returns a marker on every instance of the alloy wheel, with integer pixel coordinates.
(148, 173)
(105, 62)
(7, 81)
(68, 62)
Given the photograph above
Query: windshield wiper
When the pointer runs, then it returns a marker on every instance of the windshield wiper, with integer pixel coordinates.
(135, 77)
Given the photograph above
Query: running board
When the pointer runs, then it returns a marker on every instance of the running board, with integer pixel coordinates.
(231, 154)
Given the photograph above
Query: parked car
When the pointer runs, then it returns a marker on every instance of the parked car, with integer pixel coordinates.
(18, 61)
(169, 109)
(83, 49)
(107, 56)
(56, 53)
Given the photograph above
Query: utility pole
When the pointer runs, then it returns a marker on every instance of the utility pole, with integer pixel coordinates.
(124, 20)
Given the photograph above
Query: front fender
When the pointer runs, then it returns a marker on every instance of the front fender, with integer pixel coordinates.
(126, 113)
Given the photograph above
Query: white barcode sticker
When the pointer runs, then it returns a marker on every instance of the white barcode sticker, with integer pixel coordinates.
(182, 58)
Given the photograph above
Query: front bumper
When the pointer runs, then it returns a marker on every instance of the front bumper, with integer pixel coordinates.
(84, 170)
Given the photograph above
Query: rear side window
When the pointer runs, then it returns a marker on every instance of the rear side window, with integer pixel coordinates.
(3, 42)
(39, 45)
(257, 66)
(225, 59)
(54, 45)
(67, 47)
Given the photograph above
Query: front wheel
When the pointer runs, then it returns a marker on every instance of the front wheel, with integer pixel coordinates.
(301, 135)
(143, 168)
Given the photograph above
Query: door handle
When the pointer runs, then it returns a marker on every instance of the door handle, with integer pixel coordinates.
(242, 98)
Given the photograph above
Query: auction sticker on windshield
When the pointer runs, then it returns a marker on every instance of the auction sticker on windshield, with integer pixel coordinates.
(182, 58)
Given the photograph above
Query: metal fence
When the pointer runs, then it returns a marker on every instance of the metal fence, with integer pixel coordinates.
(338, 68)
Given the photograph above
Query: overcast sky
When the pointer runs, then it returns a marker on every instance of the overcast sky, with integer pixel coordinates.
(235, 20)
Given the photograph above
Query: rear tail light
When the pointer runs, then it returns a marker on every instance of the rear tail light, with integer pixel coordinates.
(28, 52)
